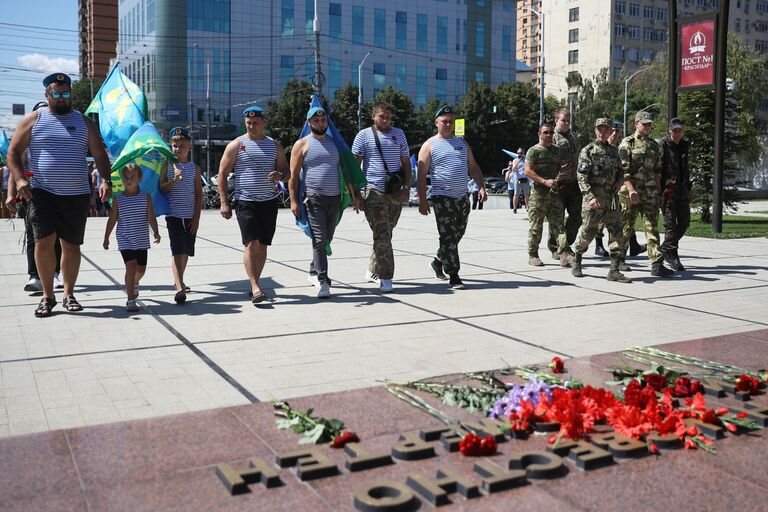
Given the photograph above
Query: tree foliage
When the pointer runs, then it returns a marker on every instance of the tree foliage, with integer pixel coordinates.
(81, 93)
(286, 117)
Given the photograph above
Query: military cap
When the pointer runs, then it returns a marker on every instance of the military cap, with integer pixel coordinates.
(181, 132)
(39, 104)
(59, 78)
(315, 111)
(644, 117)
(617, 125)
(602, 121)
(445, 109)
(254, 111)
(676, 122)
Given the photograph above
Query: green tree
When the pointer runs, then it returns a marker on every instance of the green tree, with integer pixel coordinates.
(518, 106)
(482, 127)
(287, 116)
(424, 127)
(402, 111)
(81, 93)
(345, 111)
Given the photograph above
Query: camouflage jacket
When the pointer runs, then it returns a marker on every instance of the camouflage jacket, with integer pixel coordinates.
(598, 170)
(545, 161)
(641, 162)
(569, 155)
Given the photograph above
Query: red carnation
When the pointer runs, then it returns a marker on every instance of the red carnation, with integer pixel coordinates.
(747, 383)
(472, 445)
(557, 365)
(344, 438)
(655, 381)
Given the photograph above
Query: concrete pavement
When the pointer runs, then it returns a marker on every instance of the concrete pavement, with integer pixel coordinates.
(104, 365)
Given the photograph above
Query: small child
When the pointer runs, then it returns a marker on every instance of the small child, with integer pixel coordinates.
(132, 211)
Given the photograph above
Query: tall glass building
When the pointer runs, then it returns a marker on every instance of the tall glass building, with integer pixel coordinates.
(246, 50)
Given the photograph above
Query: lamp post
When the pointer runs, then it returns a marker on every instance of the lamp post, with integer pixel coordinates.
(626, 83)
(541, 57)
(360, 91)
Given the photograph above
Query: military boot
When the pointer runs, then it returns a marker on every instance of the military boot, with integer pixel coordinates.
(659, 270)
(676, 265)
(614, 274)
(622, 265)
(599, 249)
(634, 247)
(534, 260)
(566, 259)
(576, 266)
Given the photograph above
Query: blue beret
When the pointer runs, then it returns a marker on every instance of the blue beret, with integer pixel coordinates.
(180, 132)
(315, 111)
(59, 78)
(254, 111)
(445, 109)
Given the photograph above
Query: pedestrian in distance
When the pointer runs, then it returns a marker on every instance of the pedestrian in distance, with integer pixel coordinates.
(518, 181)
(133, 214)
(474, 191)
(181, 183)
(676, 189)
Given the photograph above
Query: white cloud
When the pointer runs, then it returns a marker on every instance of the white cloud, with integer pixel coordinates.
(45, 64)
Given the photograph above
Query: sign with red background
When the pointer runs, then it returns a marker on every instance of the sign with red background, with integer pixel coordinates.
(697, 53)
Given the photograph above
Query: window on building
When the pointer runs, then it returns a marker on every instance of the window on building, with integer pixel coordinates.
(421, 32)
(458, 36)
(150, 16)
(573, 57)
(507, 5)
(421, 86)
(647, 34)
(573, 14)
(573, 35)
(286, 18)
(309, 13)
(401, 30)
(480, 39)
(506, 43)
(401, 80)
(479, 77)
(358, 24)
(648, 12)
(380, 28)
(226, 72)
(648, 55)
(620, 7)
(441, 84)
(286, 69)
(661, 13)
(334, 22)
(379, 77)
(618, 30)
(334, 77)
(442, 34)
(661, 36)
(634, 9)
(633, 54)
(633, 31)
(618, 52)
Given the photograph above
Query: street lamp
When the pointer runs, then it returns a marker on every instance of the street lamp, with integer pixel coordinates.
(541, 57)
(360, 91)
(626, 83)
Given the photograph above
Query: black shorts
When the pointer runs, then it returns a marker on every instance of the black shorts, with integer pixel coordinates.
(182, 241)
(63, 215)
(257, 220)
(139, 255)
(102, 206)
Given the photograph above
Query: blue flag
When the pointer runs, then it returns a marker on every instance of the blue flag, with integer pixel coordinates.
(122, 109)
(4, 145)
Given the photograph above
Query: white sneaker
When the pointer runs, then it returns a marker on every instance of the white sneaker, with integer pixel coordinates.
(313, 279)
(372, 277)
(324, 292)
(386, 286)
(33, 285)
(57, 282)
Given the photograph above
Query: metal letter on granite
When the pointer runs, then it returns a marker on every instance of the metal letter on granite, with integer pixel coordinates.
(538, 464)
(312, 464)
(586, 456)
(448, 481)
(620, 446)
(385, 496)
(362, 460)
(411, 447)
(496, 479)
(237, 481)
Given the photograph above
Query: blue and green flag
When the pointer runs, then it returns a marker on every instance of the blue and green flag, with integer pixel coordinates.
(4, 145)
(122, 109)
(349, 171)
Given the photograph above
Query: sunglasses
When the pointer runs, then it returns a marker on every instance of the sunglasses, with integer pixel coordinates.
(60, 95)
(547, 133)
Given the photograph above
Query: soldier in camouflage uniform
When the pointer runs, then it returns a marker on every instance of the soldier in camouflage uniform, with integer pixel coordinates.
(600, 176)
(640, 158)
(567, 187)
(542, 166)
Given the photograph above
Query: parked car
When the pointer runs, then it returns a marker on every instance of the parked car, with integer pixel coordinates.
(495, 185)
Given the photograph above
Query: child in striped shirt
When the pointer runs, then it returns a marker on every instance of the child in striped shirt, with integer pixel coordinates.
(132, 212)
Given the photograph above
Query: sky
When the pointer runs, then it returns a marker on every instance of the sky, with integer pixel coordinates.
(46, 43)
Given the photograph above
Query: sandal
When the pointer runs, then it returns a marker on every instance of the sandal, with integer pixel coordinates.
(131, 306)
(70, 304)
(180, 297)
(258, 297)
(44, 308)
(187, 289)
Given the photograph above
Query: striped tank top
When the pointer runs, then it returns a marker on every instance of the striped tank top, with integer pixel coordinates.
(58, 146)
(321, 167)
(394, 146)
(448, 169)
(255, 160)
(181, 198)
(132, 222)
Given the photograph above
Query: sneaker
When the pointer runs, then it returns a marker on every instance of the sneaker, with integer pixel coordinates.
(386, 286)
(57, 282)
(312, 278)
(33, 285)
(131, 306)
(324, 292)
(437, 267)
(372, 277)
(534, 261)
(456, 283)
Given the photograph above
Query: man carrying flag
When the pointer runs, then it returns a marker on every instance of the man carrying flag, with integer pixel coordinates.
(58, 139)
(315, 160)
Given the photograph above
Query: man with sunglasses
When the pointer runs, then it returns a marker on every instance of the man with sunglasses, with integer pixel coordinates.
(542, 166)
(58, 139)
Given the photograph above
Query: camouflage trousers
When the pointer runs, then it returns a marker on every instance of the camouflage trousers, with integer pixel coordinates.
(677, 218)
(594, 221)
(544, 204)
(451, 217)
(382, 211)
(570, 196)
(649, 209)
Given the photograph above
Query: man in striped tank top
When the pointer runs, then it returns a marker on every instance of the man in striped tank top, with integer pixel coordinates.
(447, 159)
(382, 206)
(259, 162)
(182, 183)
(58, 139)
